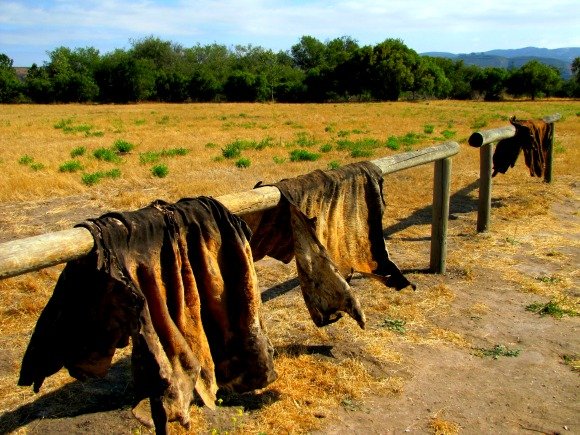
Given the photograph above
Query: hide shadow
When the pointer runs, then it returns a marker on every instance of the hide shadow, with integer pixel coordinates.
(113, 392)
(460, 202)
(251, 401)
(279, 289)
(305, 349)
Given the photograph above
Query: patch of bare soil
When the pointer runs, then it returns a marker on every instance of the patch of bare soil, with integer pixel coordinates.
(445, 388)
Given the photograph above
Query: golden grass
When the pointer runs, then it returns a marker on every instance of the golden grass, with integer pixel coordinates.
(311, 386)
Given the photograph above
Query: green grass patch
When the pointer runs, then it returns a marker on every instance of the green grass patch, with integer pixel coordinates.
(232, 150)
(497, 351)
(160, 171)
(78, 151)
(301, 155)
(551, 308)
(304, 139)
(93, 178)
(279, 160)
(139, 122)
(243, 162)
(396, 325)
(68, 126)
(428, 128)
(334, 164)
(361, 152)
(70, 166)
(122, 146)
(106, 155)
(325, 148)
(573, 361)
(36, 166)
(154, 156)
(448, 134)
(393, 143)
(164, 120)
(478, 123)
(25, 159)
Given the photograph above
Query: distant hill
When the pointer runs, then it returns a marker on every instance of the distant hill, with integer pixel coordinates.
(560, 58)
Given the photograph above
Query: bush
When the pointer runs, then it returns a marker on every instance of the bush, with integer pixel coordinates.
(393, 143)
(326, 148)
(301, 155)
(361, 152)
(70, 166)
(122, 146)
(428, 128)
(334, 164)
(160, 171)
(106, 155)
(77, 152)
(25, 160)
(243, 162)
(232, 150)
(93, 178)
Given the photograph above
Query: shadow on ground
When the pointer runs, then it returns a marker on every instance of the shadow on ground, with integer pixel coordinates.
(113, 392)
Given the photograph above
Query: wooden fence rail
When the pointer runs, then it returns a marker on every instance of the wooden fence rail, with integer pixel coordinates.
(33, 253)
(484, 140)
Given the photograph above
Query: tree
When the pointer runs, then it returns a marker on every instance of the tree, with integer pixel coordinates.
(490, 82)
(122, 78)
(576, 69)
(10, 85)
(71, 73)
(391, 66)
(534, 79)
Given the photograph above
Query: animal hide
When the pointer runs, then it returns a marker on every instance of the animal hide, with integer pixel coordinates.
(534, 138)
(347, 204)
(179, 280)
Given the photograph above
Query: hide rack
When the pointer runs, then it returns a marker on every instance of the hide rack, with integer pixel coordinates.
(25, 255)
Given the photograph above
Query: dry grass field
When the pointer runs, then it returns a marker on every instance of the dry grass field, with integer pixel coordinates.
(491, 346)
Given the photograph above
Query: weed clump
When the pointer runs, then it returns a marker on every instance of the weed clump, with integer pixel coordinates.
(70, 166)
(497, 351)
(78, 151)
(160, 171)
(301, 155)
(243, 163)
(106, 155)
(552, 308)
(122, 146)
(94, 177)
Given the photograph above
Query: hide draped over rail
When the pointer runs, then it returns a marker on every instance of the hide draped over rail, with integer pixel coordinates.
(533, 138)
(179, 280)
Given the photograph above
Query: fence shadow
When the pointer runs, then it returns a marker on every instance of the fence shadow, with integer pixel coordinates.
(460, 202)
(113, 392)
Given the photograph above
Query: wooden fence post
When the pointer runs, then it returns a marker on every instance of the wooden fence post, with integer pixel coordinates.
(441, 181)
(484, 206)
(550, 157)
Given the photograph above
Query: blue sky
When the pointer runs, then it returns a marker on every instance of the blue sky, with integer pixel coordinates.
(30, 28)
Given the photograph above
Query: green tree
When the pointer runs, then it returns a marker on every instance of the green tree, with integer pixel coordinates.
(122, 78)
(534, 79)
(576, 69)
(37, 85)
(10, 85)
(71, 73)
(490, 82)
(430, 80)
(391, 66)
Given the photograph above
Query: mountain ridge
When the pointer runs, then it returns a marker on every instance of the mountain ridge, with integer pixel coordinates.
(561, 58)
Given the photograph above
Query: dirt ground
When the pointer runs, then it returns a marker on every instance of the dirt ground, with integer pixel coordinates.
(444, 388)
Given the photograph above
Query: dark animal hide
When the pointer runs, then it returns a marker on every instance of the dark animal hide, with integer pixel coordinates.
(348, 206)
(534, 138)
(179, 280)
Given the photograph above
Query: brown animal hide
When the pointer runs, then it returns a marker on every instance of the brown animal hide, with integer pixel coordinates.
(179, 280)
(348, 206)
(534, 138)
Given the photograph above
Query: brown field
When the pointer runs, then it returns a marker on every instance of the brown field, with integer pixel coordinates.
(421, 365)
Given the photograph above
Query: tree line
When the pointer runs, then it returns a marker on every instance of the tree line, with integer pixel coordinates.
(311, 71)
